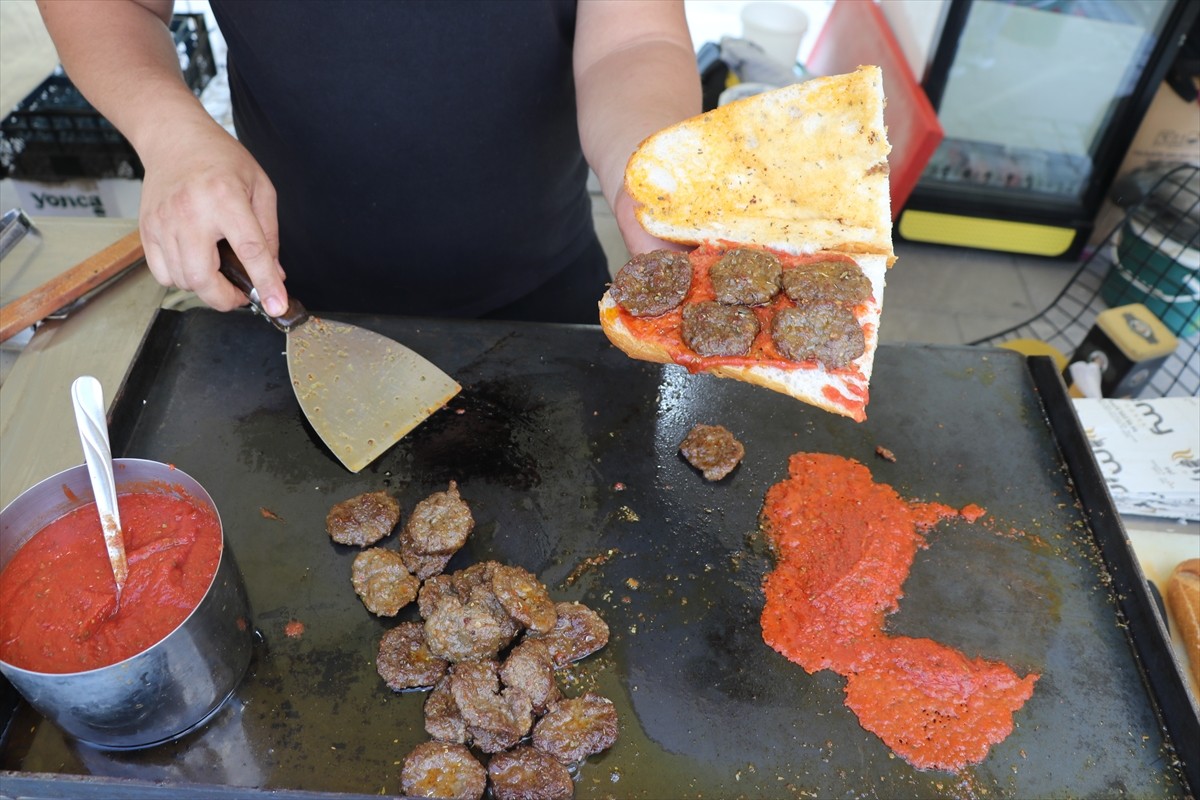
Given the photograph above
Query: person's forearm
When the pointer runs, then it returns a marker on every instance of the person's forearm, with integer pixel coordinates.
(200, 184)
(627, 92)
(121, 57)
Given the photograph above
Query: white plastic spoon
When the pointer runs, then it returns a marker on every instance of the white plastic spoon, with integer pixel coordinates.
(88, 399)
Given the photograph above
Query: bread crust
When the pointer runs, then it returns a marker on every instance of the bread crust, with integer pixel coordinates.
(1183, 601)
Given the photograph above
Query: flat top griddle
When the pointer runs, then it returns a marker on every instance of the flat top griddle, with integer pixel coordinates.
(566, 451)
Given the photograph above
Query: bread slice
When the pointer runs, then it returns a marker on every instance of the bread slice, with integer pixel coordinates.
(798, 169)
(1183, 601)
(801, 171)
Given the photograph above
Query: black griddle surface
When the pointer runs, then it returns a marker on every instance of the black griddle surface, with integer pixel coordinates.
(566, 451)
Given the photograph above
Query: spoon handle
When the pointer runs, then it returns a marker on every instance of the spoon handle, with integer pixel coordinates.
(88, 398)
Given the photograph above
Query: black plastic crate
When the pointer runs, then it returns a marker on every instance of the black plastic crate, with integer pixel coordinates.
(55, 134)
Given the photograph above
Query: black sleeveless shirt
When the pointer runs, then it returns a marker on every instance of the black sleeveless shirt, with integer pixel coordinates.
(426, 155)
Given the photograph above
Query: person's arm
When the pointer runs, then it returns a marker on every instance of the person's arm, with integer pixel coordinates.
(635, 74)
(201, 185)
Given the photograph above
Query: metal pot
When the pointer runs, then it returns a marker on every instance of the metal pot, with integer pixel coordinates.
(173, 686)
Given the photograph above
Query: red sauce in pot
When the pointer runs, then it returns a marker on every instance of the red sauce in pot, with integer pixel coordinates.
(844, 546)
(58, 604)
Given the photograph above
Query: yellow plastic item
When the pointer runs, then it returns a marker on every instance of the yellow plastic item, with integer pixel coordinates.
(1137, 331)
(1035, 347)
(986, 234)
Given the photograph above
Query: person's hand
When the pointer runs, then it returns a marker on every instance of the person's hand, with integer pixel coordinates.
(202, 186)
(637, 240)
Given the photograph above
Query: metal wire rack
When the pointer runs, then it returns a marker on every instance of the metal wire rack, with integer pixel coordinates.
(1152, 256)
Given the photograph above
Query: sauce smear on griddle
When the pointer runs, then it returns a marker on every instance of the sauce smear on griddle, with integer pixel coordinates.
(844, 546)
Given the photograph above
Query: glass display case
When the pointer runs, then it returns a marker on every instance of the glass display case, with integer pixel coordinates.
(1039, 100)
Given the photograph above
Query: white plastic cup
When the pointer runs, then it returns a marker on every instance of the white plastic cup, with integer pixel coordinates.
(777, 27)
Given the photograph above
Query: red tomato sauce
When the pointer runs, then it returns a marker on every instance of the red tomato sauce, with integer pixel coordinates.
(58, 604)
(844, 546)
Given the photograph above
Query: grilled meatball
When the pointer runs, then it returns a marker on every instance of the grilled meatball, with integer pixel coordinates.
(458, 631)
(439, 524)
(364, 519)
(496, 720)
(713, 450)
(712, 329)
(746, 277)
(405, 661)
(574, 729)
(443, 721)
(651, 284)
(524, 598)
(464, 620)
(443, 770)
(530, 668)
(382, 581)
(437, 528)
(824, 332)
(579, 632)
(841, 282)
(526, 773)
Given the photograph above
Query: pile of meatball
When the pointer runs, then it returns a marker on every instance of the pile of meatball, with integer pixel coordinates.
(487, 648)
(818, 325)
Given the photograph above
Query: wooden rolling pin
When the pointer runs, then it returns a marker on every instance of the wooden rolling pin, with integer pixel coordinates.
(69, 286)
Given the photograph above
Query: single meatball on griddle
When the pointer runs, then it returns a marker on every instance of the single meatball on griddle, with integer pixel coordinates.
(841, 282)
(579, 632)
(526, 773)
(363, 519)
(524, 597)
(651, 284)
(438, 527)
(496, 719)
(382, 581)
(574, 729)
(443, 770)
(713, 450)
(712, 329)
(746, 277)
(824, 332)
(458, 631)
(440, 523)
(530, 668)
(405, 661)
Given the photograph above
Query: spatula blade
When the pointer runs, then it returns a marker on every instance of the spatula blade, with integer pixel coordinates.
(361, 392)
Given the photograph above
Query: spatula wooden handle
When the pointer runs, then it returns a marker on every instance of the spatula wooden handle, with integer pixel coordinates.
(69, 286)
(235, 272)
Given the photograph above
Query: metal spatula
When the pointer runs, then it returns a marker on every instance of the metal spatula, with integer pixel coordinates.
(360, 391)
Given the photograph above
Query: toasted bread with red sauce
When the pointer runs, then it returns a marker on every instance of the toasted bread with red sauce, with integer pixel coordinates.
(801, 171)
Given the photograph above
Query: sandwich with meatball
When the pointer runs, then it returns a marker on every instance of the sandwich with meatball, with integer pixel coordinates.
(782, 200)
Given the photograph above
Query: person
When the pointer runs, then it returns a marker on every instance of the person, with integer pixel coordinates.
(392, 156)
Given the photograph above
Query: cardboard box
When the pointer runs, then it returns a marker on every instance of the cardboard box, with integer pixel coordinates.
(83, 197)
